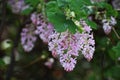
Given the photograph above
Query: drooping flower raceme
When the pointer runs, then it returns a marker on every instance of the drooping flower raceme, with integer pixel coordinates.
(36, 18)
(53, 43)
(86, 42)
(64, 46)
(43, 29)
(28, 37)
(107, 24)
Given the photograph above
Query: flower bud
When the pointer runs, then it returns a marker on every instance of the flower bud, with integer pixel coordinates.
(6, 44)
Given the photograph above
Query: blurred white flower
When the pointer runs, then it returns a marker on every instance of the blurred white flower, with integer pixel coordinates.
(49, 63)
(108, 24)
(6, 59)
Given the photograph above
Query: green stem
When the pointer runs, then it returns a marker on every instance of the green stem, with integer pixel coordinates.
(116, 33)
(102, 66)
(10, 69)
(43, 9)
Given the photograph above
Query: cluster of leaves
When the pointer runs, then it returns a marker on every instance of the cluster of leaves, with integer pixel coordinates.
(83, 9)
(32, 6)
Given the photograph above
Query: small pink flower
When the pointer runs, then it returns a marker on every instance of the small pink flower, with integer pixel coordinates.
(28, 38)
(107, 28)
(108, 24)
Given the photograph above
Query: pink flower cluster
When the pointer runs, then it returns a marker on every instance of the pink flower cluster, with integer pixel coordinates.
(43, 29)
(17, 5)
(37, 27)
(107, 24)
(28, 37)
(86, 41)
(66, 46)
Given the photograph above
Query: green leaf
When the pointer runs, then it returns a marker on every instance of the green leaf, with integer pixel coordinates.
(33, 3)
(27, 11)
(78, 6)
(61, 24)
(116, 49)
(1, 63)
(52, 7)
(91, 24)
(80, 3)
(91, 76)
(112, 54)
(113, 72)
(110, 11)
(58, 19)
(63, 3)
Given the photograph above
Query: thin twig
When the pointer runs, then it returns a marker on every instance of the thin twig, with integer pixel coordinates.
(102, 66)
(116, 33)
(3, 17)
(11, 66)
(12, 61)
(33, 62)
